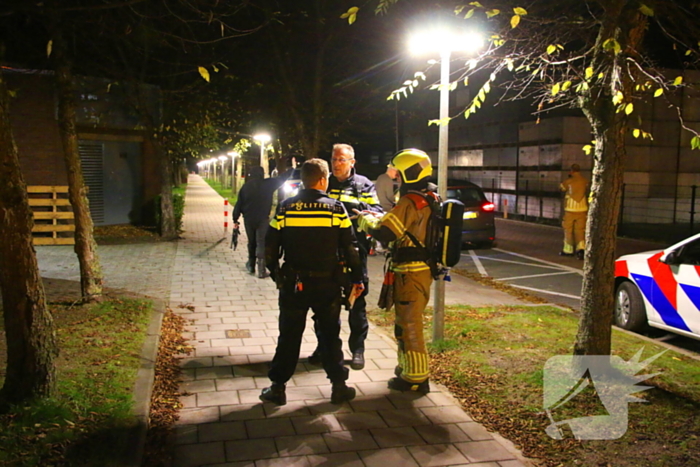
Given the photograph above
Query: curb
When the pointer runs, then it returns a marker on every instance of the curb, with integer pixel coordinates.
(143, 388)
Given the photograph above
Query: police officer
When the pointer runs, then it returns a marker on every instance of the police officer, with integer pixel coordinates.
(412, 275)
(310, 230)
(355, 192)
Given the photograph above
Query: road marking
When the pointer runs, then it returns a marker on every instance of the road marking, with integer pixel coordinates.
(560, 266)
(477, 263)
(534, 275)
(545, 291)
(491, 258)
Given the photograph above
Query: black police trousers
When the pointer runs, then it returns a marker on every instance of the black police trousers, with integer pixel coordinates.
(322, 295)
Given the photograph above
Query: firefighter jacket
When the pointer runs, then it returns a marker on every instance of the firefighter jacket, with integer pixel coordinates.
(313, 233)
(575, 188)
(411, 214)
(357, 192)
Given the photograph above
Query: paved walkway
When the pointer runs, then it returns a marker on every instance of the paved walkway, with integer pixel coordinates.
(233, 329)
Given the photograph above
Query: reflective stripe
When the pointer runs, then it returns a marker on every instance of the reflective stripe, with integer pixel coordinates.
(413, 266)
(396, 225)
(443, 258)
(310, 219)
(575, 206)
(417, 369)
(347, 195)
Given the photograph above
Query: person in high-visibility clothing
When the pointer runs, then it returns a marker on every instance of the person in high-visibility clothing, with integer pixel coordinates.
(575, 190)
(355, 192)
(408, 263)
(312, 231)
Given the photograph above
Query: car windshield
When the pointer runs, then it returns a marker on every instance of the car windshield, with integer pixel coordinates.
(470, 196)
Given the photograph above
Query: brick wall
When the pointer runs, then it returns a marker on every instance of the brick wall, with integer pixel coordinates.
(33, 116)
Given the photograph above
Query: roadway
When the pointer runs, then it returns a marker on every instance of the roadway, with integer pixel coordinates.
(526, 256)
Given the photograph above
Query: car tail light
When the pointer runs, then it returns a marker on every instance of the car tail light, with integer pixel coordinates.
(488, 207)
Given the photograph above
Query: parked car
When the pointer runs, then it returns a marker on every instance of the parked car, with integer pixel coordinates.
(660, 289)
(478, 226)
(292, 185)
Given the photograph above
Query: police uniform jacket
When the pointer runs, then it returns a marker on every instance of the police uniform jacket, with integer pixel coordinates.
(311, 231)
(356, 192)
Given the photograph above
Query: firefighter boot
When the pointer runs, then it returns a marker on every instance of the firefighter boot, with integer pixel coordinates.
(400, 384)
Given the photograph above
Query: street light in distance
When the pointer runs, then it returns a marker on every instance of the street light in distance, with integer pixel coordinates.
(443, 40)
(262, 139)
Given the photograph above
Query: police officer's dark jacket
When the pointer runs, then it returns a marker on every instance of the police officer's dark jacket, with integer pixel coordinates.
(356, 192)
(311, 231)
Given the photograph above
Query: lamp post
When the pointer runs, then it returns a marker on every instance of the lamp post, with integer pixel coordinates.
(444, 41)
(262, 139)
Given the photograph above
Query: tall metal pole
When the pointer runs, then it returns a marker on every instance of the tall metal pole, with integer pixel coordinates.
(396, 122)
(439, 289)
(263, 160)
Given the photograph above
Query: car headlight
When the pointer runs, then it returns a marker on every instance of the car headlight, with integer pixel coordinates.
(290, 188)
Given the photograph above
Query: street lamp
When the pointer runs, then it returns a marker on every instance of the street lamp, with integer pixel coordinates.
(263, 138)
(444, 41)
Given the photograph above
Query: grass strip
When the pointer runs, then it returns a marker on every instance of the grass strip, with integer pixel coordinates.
(493, 360)
(225, 192)
(88, 420)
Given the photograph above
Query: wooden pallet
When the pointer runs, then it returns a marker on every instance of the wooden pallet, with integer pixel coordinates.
(53, 215)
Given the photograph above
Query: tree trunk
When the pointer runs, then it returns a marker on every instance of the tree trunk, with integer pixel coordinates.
(609, 125)
(597, 294)
(168, 229)
(85, 246)
(29, 329)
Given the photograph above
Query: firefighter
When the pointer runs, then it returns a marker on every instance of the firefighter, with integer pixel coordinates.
(311, 230)
(575, 189)
(355, 192)
(412, 275)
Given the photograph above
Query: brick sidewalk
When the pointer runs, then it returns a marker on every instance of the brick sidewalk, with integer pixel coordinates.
(234, 331)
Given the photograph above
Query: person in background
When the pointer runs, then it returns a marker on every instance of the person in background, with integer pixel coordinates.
(575, 190)
(254, 203)
(386, 186)
(355, 192)
(311, 231)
